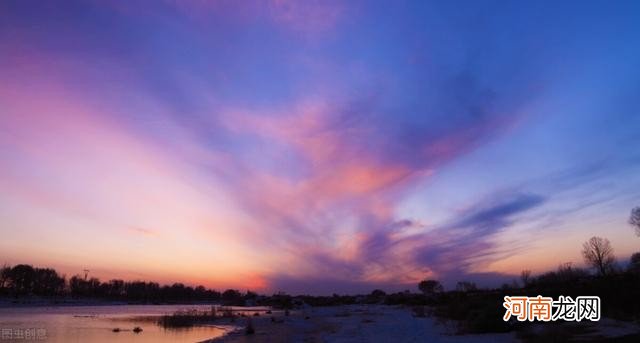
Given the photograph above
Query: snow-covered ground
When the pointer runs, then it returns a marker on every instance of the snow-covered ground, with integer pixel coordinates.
(356, 323)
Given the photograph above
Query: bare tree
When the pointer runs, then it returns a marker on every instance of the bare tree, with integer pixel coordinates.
(598, 253)
(634, 219)
(430, 287)
(466, 286)
(525, 277)
(634, 263)
(4, 276)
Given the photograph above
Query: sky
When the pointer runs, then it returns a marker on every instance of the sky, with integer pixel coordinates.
(316, 146)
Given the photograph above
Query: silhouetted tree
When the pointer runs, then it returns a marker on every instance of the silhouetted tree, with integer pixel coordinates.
(22, 277)
(378, 293)
(566, 272)
(284, 300)
(466, 286)
(200, 293)
(137, 291)
(115, 289)
(25, 280)
(507, 286)
(525, 277)
(93, 287)
(634, 219)
(598, 253)
(47, 282)
(4, 276)
(79, 287)
(430, 287)
(634, 263)
(232, 297)
(376, 296)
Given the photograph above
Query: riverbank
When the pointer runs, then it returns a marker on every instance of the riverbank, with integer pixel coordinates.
(352, 323)
(47, 302)
(10, 302)
(384, 323)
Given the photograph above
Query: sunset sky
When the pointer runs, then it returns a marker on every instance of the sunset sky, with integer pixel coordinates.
(316, 146)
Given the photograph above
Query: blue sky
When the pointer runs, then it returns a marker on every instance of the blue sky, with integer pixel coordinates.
(315, 146)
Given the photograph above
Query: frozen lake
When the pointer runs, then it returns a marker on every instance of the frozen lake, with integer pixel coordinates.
(96, 324)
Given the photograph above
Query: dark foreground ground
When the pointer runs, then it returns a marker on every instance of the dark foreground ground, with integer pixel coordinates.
(382, 323)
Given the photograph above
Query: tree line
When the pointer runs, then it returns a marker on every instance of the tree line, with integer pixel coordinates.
(24, 280)
(597, 253)
(479, 311)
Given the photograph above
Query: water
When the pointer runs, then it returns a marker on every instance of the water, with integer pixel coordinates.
(96, 324)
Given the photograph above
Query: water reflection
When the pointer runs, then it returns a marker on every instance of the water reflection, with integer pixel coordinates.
(97, 323)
